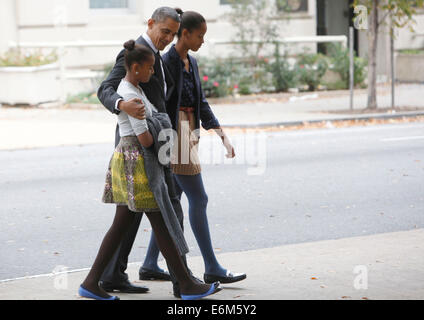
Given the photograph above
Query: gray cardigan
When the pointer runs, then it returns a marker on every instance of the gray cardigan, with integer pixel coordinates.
(161, 182)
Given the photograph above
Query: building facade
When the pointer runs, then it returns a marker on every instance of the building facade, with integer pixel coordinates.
(94, 21)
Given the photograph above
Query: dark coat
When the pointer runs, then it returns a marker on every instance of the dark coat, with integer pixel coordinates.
(161, 182)
(203, 111)
(154, 89)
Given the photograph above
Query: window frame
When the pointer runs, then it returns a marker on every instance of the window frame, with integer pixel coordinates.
(282, 11)
(128, 10)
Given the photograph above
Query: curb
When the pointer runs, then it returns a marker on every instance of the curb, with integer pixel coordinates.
(299, 123)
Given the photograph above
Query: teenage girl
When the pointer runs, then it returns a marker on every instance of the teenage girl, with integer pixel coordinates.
(186, 108)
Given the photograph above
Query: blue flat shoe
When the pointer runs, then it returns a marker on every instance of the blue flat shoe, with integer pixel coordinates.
(87, 294)
(213, 289)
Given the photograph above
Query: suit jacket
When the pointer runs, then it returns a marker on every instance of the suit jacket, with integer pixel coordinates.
(203, 110)
(154, 89)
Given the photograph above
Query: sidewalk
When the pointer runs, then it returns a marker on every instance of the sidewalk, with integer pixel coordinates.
(37, 128)
(377, 267)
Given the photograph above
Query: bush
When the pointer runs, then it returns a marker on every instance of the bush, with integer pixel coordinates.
(339, 57)
(215, 75)
(283, 75)
(85, 97)
(221, 77)
(263, 80)
(17, 58)
(310, 69)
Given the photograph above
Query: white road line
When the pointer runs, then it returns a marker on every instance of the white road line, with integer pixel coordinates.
(43, 275)
(403, 138)
(55, 274)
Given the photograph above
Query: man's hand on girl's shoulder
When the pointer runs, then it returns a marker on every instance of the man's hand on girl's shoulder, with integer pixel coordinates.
(134, 107)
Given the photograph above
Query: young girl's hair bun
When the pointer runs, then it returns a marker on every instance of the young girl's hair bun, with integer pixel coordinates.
(129, 45)
(179, 11)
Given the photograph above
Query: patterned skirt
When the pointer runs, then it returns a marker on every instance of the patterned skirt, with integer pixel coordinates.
(126, 179)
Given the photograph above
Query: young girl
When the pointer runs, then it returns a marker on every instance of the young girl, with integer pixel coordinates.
(186, 108)
(127, 186)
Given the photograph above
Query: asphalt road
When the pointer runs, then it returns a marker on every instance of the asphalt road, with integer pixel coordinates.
(283, 187)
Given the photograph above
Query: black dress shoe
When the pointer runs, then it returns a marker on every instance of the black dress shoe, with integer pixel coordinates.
(228, 278)
(147, 274)
(124, 287)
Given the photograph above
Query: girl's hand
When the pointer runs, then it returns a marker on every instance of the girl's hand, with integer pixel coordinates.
(230, 149)
(227, 144)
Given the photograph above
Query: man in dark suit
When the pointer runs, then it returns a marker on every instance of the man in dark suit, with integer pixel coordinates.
(162, 28)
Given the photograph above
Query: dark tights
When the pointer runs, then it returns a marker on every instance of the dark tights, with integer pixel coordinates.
(122, 222)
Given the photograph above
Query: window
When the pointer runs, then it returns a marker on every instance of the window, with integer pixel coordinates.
(292, 5)
(223, 2)
(109, 4)
(282, 5)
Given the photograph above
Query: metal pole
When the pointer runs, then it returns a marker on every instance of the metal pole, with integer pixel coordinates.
(62, 68)
(392, 62)
(352, 66)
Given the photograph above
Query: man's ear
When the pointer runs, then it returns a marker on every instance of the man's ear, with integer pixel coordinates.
(150, 23)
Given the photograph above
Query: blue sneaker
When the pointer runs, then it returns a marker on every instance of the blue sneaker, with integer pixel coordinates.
(87, 294)
(213, 289)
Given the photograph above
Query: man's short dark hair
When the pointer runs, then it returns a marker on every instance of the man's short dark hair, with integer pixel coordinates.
(163, 13)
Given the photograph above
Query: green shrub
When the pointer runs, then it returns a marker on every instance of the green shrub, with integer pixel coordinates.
(283, 75)
(412, 51)
(221, 77)
(17, 58)
(85, 97)
(215, 75)
(310, 69)
(335, 85)
(245, 85)
(339, 57)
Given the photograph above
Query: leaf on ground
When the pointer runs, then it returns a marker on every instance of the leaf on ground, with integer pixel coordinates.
(243, 295)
